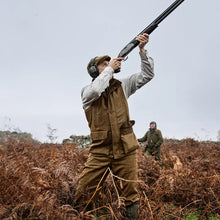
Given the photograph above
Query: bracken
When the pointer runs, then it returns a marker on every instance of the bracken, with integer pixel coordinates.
(38, 181)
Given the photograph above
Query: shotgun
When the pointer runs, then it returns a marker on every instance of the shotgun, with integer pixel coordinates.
(149, 29)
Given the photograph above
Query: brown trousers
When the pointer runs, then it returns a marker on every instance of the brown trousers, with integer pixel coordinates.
(95, 168)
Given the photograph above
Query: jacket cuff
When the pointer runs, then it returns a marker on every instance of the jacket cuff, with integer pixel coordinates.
(109, 69)
(144, 55)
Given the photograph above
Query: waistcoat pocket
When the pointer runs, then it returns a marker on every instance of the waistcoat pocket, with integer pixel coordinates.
(128, 137)
(98, 135)
(100, 142)
(129, 142)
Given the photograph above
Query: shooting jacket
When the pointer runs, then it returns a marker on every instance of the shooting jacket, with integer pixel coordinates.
(154, 138)
(106, 109)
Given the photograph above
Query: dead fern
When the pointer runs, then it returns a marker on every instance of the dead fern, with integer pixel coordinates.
(40, 181)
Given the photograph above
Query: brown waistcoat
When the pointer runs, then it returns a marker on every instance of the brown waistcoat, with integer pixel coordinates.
(110, 125)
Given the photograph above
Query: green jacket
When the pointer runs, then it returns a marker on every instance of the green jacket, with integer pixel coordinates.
(153, 138)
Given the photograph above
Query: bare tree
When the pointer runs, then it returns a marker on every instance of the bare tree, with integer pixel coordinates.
(51, 133)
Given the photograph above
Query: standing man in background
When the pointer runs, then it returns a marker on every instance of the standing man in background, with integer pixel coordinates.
(154, 140)
(114, 143)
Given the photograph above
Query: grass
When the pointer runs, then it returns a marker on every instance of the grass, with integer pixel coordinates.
(197, 215)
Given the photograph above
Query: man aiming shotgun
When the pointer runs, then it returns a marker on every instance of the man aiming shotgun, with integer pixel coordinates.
(105, 104)
(113, 141)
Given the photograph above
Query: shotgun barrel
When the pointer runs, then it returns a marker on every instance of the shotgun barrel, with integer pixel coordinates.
(149, 29)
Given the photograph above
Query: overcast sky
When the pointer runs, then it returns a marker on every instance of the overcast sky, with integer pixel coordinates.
(45, 46)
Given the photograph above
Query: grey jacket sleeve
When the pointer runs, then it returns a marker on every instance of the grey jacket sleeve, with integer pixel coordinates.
(137, 80)
(93, 91)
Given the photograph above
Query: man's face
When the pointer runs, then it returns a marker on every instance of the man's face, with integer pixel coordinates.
(102, 66)
(152, 126)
